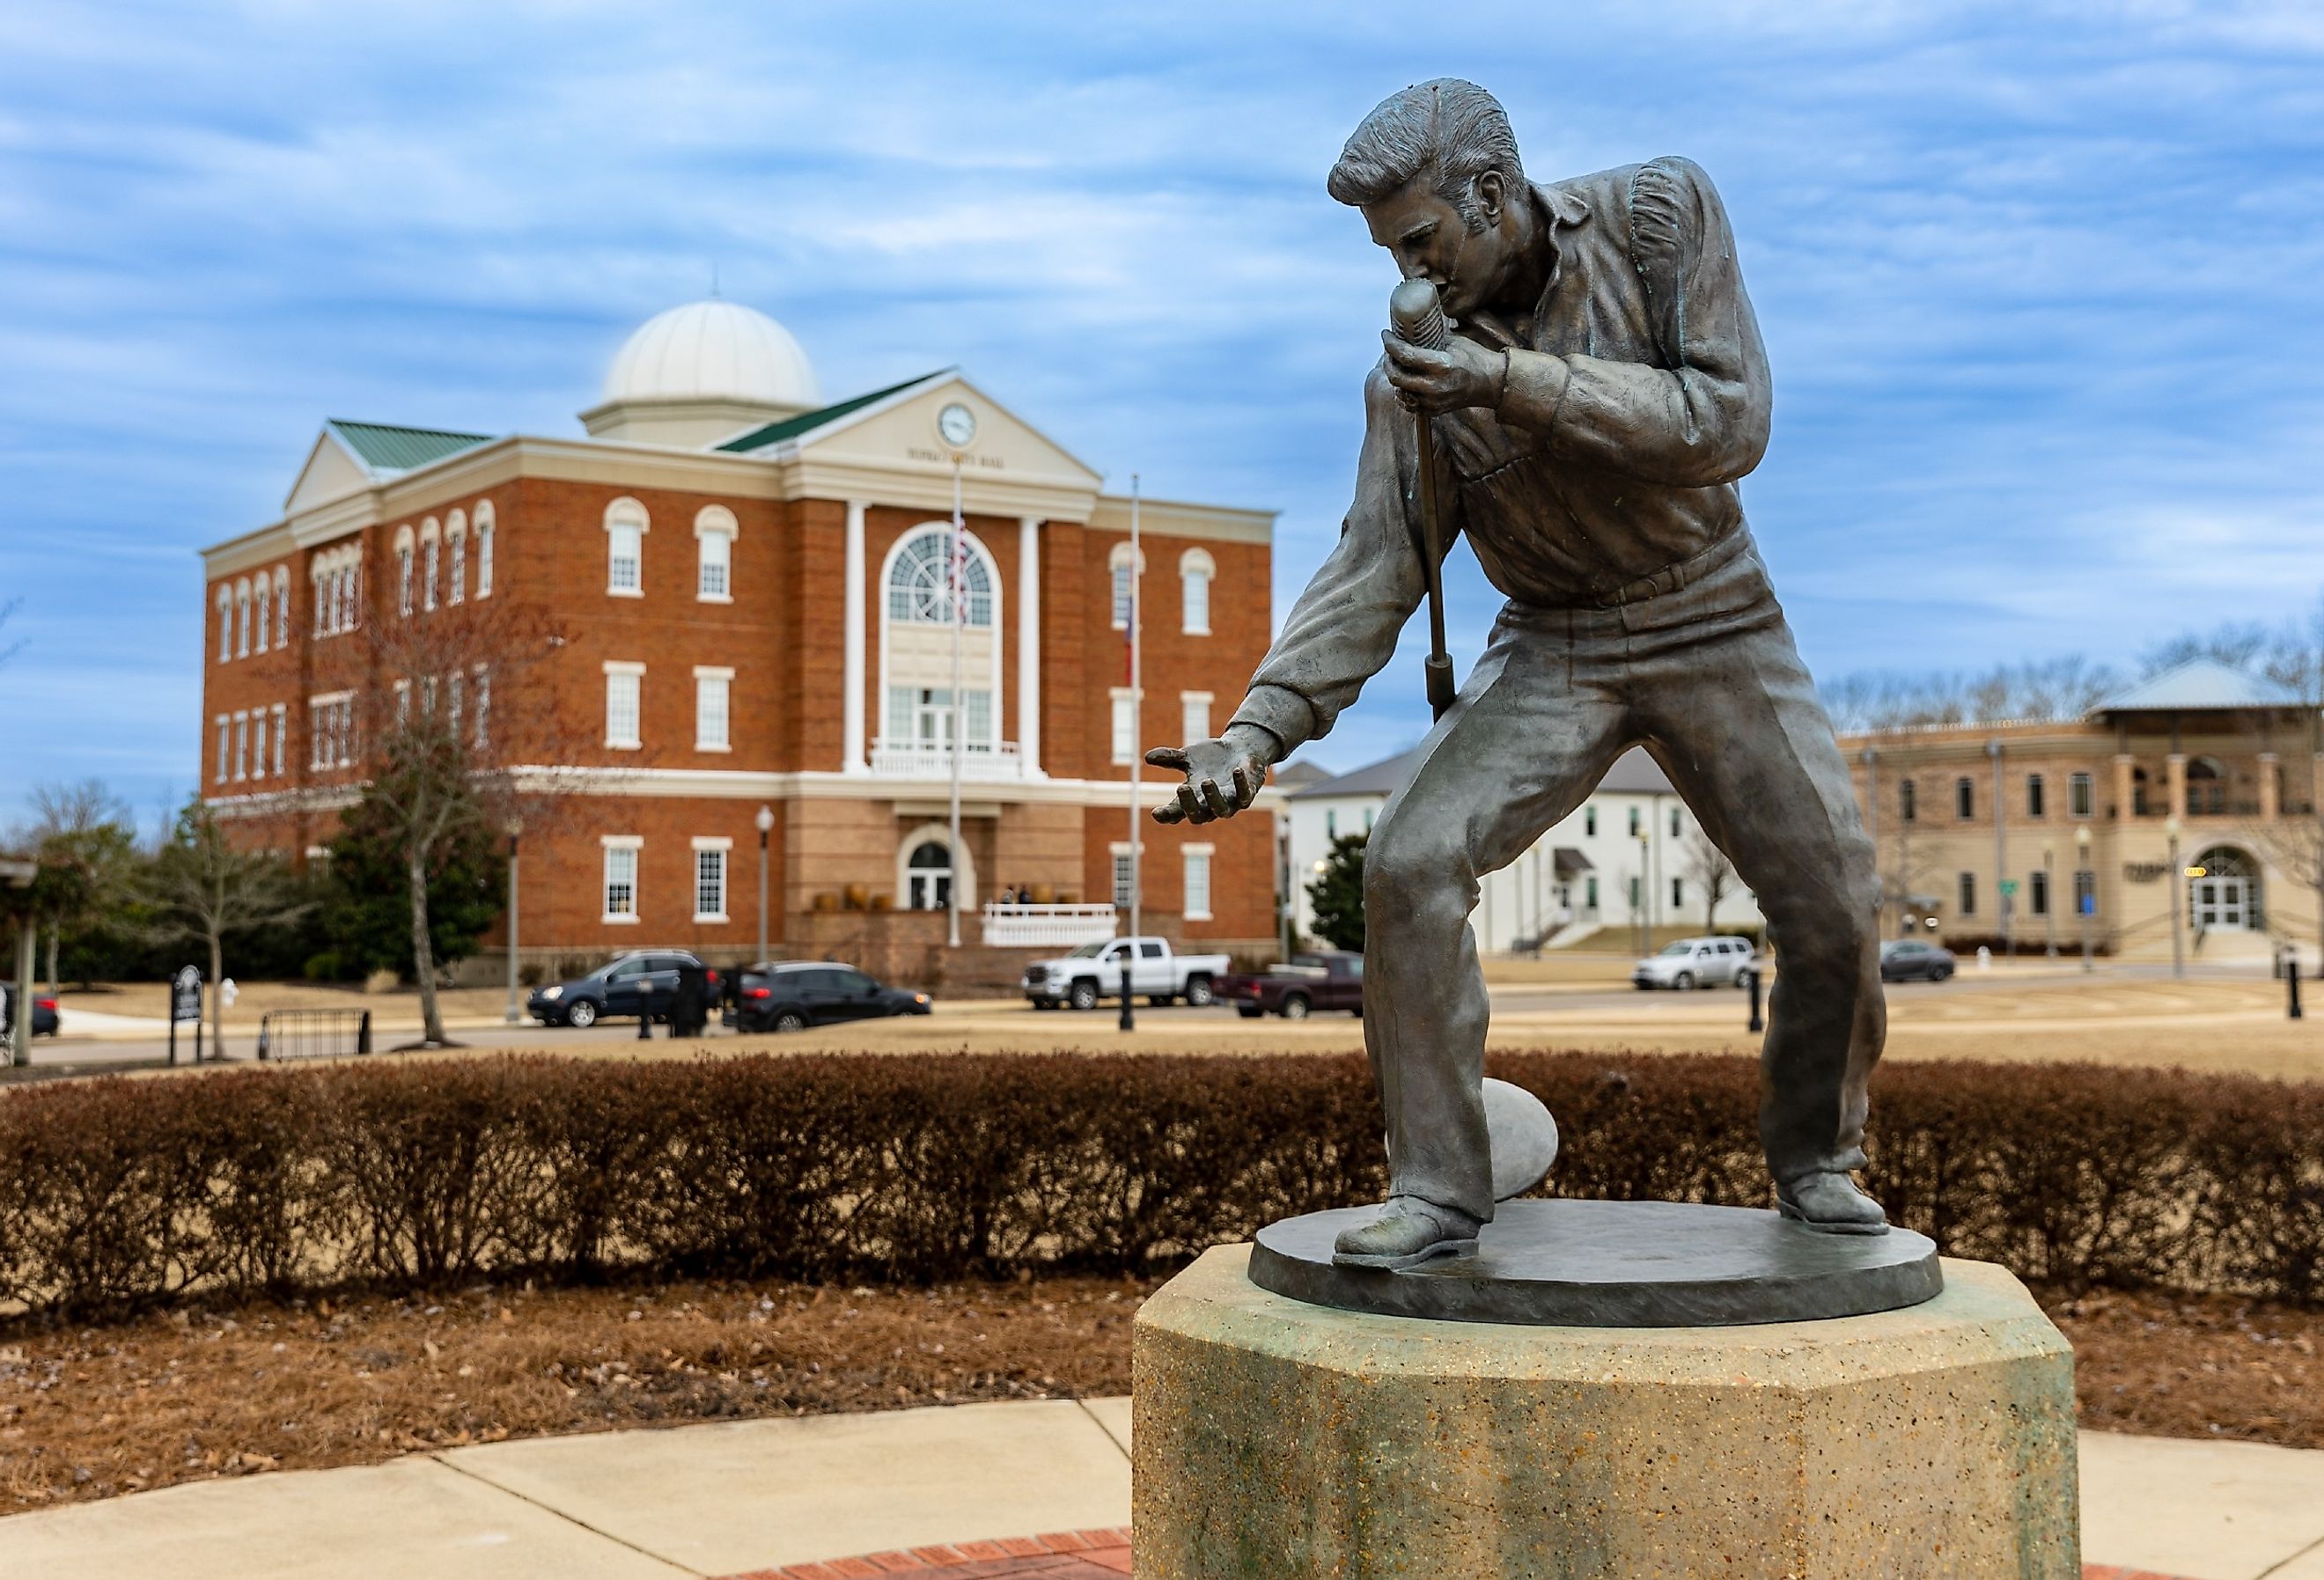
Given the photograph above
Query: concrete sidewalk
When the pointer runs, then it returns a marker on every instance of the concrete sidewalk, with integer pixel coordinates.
(731, 1498)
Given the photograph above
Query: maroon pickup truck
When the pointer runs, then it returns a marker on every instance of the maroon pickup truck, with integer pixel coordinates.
(1324, 979)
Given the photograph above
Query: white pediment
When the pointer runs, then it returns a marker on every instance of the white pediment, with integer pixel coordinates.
(331, 473)
(900, 433)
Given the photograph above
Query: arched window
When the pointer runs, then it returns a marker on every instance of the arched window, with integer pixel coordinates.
(261, 615)
(242, 619)
(715, 530)
(484, 549)
(626, 525)
(1196, 569)
(456, 547)
(919, 582)
(1119, 569)
(928, 877)
(225, 624)
(281, 611)
(403, 549)
(430, 550)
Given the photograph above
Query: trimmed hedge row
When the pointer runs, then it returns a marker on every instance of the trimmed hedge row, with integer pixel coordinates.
(117, 1194)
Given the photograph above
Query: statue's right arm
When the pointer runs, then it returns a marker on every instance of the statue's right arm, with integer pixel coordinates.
(1343, 629)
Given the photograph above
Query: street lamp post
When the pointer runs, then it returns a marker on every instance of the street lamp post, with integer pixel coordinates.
(2178, 887)
(1646, 899)
(2082, 847)
(514, 1013)
(764, 822)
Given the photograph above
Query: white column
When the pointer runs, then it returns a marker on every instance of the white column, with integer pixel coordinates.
(1029, 644)
(851, 701)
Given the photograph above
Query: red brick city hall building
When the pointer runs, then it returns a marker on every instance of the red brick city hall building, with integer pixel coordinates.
(751, 592)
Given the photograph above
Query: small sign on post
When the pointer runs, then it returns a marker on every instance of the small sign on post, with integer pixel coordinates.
(186, 1004)
(2008, 887)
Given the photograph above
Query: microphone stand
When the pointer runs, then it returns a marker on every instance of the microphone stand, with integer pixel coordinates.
(1416, 317)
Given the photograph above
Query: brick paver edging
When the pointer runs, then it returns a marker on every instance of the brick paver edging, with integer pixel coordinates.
(1064, 1555)
(1073, 1555)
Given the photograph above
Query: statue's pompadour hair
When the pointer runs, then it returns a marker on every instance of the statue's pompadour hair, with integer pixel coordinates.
(1450, 130)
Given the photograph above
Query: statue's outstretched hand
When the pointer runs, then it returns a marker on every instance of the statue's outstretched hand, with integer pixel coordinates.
(1222, 776)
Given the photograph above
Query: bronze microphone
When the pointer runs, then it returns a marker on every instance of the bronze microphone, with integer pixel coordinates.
(1416, 317)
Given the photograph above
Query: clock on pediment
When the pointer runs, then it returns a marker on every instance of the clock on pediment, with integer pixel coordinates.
(957, 424)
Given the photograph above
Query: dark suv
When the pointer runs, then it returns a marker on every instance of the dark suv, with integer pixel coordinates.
(641, 984)
(45, 1019)
(793, 994)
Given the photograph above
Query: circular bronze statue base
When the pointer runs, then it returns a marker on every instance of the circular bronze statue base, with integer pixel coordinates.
(1613, 1264)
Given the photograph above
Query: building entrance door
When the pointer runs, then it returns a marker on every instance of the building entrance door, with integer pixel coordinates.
(929, 877)
(932, 721)
(2224, 894)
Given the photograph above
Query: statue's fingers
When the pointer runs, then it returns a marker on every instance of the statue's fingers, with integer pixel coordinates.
(1189, 808)
(1216, 799)
(1169, 812)
(1245, 790)
(1169, 757)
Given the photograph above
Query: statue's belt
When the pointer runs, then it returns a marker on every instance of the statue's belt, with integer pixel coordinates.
(1670, 578)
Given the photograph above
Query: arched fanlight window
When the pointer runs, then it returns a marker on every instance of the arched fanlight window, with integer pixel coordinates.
(241, 620)
(282, 609)
(919, 582)
(225, 624)
(262, 613)
(484, 549)
(456, 549)
(1196, 570)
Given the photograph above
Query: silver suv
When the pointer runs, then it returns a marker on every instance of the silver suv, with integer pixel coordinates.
(1696, 963)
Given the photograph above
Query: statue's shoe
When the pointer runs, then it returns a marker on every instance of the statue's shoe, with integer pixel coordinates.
(1831, 1203)
(1408, 1232)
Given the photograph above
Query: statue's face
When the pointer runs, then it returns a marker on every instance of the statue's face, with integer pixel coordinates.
(1431, 241)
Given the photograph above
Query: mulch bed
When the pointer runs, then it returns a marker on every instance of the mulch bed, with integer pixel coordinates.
(92, 1412)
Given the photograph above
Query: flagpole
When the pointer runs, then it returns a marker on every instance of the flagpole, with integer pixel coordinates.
(1136, 704)
(959, 703)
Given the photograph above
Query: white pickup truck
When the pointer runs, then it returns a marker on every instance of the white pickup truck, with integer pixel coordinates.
(1157, 974)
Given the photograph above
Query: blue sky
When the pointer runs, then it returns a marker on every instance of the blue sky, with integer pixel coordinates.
(2040, 283)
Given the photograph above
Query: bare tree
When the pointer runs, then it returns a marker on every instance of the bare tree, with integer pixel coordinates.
(1877, 699)
(91, 829)
(204, 886)
(1901, 868)
(457, 744)
(1708, 865)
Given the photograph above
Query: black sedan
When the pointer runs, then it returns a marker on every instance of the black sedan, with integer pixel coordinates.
(644, 984)
(791, 995)
(1914, 960)
(45, 1019)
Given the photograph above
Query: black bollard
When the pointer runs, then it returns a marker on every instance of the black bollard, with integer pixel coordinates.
(2291, 985)
(1129, 1021)
(1758, 1022)
(645, 1023)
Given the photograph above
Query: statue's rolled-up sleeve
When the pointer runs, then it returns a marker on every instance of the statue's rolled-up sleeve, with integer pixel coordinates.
(1343, 629)
(1698, 423)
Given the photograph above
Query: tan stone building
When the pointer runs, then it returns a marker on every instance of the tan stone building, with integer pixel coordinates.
(753, 588)
(2200, 786)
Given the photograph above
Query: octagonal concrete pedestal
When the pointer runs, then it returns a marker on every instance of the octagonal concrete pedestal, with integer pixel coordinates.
(1277, 1441)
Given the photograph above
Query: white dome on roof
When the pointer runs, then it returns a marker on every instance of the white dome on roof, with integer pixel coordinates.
(712, 350)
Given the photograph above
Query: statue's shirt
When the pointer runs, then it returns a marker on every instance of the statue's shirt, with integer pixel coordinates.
(1636, 398)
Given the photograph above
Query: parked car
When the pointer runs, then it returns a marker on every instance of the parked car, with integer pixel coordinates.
(46, 1019)
(1915, 959)
(1156, 973)
(1706, 961)
(641, 984)
(1321, 979)
(791, 995)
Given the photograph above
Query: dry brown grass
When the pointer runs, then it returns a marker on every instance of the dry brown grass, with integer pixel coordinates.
(2176, 1366)
(87, 1413)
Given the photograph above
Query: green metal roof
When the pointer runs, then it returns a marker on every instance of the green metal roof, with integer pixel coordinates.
(808, 421)
(385, 448)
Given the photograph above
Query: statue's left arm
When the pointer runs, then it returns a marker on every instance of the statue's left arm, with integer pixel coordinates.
(1702, 420)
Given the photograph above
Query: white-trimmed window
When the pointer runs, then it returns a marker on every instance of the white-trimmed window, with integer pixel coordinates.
(1194, 716)
(455, 545)
(331, 730)
(242, 745)
(1196, 570)
(484, 549)
(456, 691)
(919, 581)
(223, 737)
(281, 737)
(241, 620)
(262, 613)
(621, 875)
(282, 606)
(430, 556)
(403, 572)
(483, 705)
(715, 530)
(712, 698)
(402, 704)
(1125, 724)
(623, 684)
(1197, 858)
(710, 878)
(225, 625)
(1123, 572)
(1125, 876)
(625, 549)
